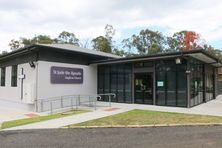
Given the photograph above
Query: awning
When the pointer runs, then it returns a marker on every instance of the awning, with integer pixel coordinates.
(206, 59)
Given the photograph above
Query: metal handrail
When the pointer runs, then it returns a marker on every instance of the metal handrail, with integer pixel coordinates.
(77, 98)
(109, 95)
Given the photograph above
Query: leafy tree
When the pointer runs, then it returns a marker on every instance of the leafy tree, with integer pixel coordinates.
(15, 44)
(40, 39)
(22, 42)
(67, 38)
(127, 45)
(215, 52)
(119, 52)
(183, 40)
(176, 42)
(146, 42)
(102, 44)
(3, 52)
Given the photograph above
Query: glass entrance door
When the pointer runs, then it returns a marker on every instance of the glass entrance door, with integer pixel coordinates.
(143, 88)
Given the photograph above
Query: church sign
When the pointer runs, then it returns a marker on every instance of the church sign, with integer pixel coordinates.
(66, 75)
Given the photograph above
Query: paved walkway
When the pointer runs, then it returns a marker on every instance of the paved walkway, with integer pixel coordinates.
(57, 123)
(213, 107)
(8, 114)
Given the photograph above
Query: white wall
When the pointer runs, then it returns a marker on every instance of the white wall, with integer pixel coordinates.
(13, 94)
(47, 90)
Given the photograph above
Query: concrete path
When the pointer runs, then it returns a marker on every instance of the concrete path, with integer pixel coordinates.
(57, 123)
(8, 114)
(213, 107)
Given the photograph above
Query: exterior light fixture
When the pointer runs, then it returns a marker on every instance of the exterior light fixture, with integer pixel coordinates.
(178, 60)
(32, 64)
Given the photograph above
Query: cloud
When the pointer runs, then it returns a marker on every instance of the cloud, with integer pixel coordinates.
(87, 18)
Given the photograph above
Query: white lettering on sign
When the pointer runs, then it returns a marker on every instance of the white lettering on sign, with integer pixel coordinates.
(65, 75)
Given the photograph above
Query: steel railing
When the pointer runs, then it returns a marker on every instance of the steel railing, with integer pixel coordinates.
(110, 95)
(70, 101)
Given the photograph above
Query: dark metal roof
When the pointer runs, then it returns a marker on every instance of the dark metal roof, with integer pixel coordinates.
(74, 48)
(61, 47)
(199, 54)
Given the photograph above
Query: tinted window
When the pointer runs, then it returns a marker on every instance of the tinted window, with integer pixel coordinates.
(14, 76)
(3, 73)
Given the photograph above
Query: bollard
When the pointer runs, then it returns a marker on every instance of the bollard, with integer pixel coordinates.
(109, 101)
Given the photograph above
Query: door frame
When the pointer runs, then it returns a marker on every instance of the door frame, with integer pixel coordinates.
(152, 74)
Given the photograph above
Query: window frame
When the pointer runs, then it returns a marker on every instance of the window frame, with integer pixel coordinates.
(3, 77)
(14, 75)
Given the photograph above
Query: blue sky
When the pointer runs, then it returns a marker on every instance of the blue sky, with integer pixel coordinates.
(87, 18)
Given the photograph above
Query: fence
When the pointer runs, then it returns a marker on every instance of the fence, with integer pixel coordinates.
(71, 101)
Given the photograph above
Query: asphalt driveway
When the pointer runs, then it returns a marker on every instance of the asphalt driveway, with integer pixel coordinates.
(167, 137)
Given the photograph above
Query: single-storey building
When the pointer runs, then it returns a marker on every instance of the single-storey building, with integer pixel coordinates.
(41, 71)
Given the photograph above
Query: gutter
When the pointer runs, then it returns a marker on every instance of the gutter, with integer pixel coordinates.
(18, 52)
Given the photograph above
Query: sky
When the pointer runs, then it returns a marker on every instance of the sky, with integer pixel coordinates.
(87, 18)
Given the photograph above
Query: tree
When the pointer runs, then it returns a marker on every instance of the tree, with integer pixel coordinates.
(15, 44)
(119, 52)
(105, 43)
(102, 44)
(176, 42)
(3, 52)
(183, 40)
(109, 33)
(146, 42)
(67, 38)
(40, 39)
(191, 40)
(22, 42)
(215, 52)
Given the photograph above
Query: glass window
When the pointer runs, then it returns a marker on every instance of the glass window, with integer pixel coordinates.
(100, 80)
(3, 74)
(196, 82)
(160, 92)
(171, 83)
(181, 89)
(113, 81)
(121, 81)
(143, 64)
(14, 76)
(138, 65)
(148, 64)
(128, 83)
(209, 83)
(116, 79)
(171, 88)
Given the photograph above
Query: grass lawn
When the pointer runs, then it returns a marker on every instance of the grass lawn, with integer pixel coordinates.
(144, 117)
(19, 122)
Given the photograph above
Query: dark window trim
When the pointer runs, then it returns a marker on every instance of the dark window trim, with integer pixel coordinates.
(14, 75)
(3, 77)
(176, 70)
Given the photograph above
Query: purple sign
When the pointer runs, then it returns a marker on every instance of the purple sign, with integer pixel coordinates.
(65, 75)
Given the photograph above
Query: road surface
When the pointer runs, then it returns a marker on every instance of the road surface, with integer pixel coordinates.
(161, 137)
